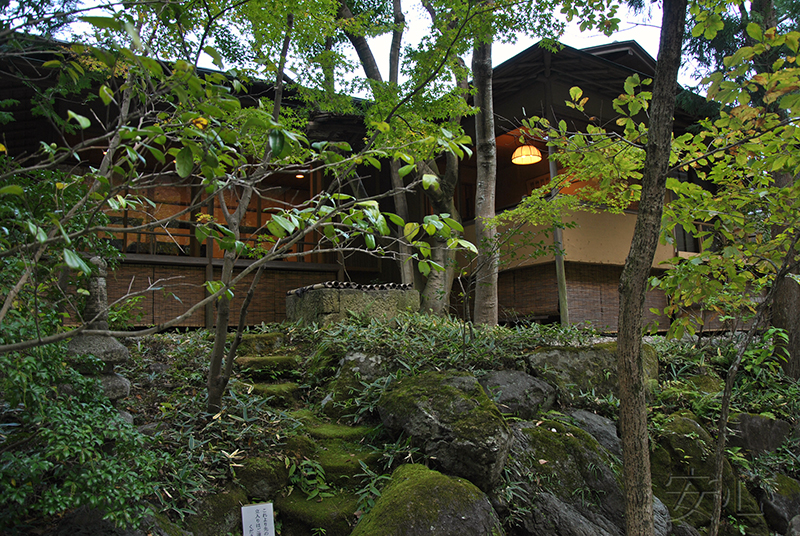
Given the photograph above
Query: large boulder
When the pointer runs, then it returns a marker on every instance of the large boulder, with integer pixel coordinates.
(604, 430)
(218, 513)
(419, 501)
(757, 433)
(449, 416)
(263, 477)
(572, 483)
(328, 305)
(586, 370)
(682, 465)
(519, 394)
(794, 526)
(782, 504)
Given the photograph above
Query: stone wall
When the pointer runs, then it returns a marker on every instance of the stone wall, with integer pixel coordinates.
(327, 305)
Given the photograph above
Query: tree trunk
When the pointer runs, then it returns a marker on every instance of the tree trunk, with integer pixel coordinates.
(219, 372)
(633, 282)
(404, 262)
(436, 289)
(785, 307)
(786, 315)
(486, 154)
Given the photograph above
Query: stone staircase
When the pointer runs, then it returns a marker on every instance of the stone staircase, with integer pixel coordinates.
(266, 369)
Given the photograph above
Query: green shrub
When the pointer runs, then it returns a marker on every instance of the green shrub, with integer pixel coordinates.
(62, 445)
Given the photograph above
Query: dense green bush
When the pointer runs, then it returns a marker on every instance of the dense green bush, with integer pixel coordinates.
(62, 445)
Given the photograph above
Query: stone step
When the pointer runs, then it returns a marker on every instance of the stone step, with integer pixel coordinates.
(259, 343)
(320, 429)
(282, 395)
(268, 367)
(333, 515)
(341, 461)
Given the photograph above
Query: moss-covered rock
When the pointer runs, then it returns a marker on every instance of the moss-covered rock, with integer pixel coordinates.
(281, 394)
(571, 465)
(263, 477)
(782, 504)
(584, 370)
(268, 366)
(321, 428)
(682, 465)
(518, 393)
(420, 501)
(450, 417)
(706, 383)
(301, 446)
(260, 343)
(341, 460)
(299, 516)
(219, 513)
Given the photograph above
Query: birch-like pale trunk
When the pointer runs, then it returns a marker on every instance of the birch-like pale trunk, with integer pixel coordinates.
(486, 306)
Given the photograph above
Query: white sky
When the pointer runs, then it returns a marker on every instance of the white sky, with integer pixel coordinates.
(641, 28)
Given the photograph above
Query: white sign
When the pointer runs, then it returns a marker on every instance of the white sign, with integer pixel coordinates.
(257, 520)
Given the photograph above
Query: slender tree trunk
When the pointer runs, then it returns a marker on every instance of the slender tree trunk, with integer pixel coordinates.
(435, 294)
(287, 39)
(219, 372)
(633, 282)
(786, 305)
(404, 262)
(486, 272)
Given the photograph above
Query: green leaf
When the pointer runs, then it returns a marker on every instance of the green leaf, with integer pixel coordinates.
(52, 64)
(103, 23)
(424, 268)
(276, 142)
(284, 223)
(255, 121)
(410, 230)
(201, 232)
(184, 162)
(793, 40)
(468, 245)
(216, 57)
(395, 219)
(36, 231)
(12, 189)
(76, 262)
(575, 93)
(405, 170)
(82, 121)
(106, 95)
(157, 154)
(276, 230)
(133, 33)
(754, 31)
(429, 181)
(454, 224)
(370, 240)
